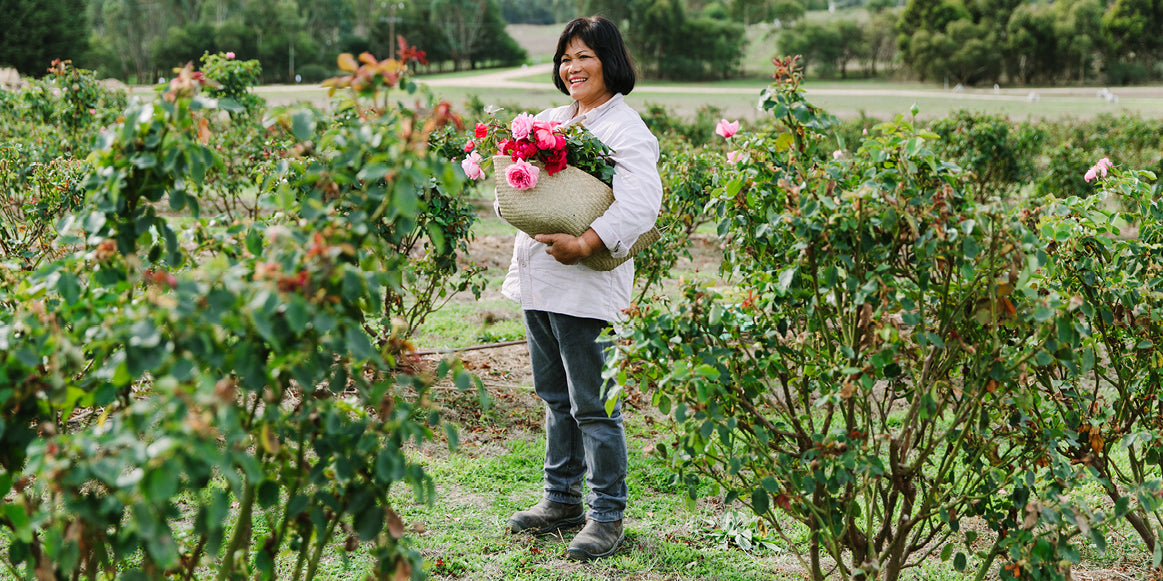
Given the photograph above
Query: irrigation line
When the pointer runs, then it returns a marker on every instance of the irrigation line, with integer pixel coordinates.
(471, 348)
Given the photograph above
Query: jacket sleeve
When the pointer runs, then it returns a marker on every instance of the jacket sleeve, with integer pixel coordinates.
(637, 186)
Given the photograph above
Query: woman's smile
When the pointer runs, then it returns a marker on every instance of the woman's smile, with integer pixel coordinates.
(581, 69)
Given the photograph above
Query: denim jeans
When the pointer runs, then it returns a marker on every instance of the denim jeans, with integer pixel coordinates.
(581, 440)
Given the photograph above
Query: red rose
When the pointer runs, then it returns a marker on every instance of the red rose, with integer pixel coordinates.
(482, 130)
(527, 149)
(507, 146)
(555, 161)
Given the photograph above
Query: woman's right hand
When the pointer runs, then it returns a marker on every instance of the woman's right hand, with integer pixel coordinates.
(568, 249)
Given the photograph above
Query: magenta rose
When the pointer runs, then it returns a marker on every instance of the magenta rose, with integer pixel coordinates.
(522, 175)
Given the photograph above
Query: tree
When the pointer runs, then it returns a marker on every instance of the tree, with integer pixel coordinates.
(460, 22)
(493, 43)
(1032, 52)
(853, 45)
(927, 18)
(1078, 27)
(36, 33)
(817, 44)
(880, 37)
(788, 12)
(1132, 27)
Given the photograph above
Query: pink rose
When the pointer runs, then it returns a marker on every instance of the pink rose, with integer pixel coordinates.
(472, 166)
(469, 145)
(733, 157)
(230, 55)
(727, 128)
(522, 175)
(521, 126)
(1101, 167)
(545, 138)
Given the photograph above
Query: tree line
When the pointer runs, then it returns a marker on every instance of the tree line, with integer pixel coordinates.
(141, 40)
(982, 42)
(958, 41)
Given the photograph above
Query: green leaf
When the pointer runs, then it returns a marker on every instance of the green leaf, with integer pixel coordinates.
(162, 484)
(1098, 539)
(268, 493)
(303, 125)
(960, 561)
(369, 523)
(785, 278)
(69, 287)
(759, 501)
(254, 241)
(19, 521)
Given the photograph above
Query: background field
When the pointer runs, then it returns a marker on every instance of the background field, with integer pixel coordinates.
(736, 98)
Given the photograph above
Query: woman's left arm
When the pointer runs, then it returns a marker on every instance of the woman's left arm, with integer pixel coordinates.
(637, 187)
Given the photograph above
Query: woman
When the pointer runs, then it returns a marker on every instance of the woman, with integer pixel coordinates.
(568, 307)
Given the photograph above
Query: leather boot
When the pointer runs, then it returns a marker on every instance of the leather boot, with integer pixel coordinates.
(596, 540)
(546, 516)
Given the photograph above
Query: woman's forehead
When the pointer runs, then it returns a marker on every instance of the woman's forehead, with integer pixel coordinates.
(576, 45)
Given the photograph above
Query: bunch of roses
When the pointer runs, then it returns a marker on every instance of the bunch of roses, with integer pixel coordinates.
(527, 140)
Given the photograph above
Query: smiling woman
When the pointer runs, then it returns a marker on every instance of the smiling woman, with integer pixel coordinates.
(569, 308)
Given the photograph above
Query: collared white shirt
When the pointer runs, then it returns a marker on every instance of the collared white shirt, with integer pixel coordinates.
(537, 281)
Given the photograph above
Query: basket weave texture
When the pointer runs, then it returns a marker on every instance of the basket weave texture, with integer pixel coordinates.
(566, 202)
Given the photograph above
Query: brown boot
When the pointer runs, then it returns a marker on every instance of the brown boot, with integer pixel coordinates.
(546, 516)
(596, 540)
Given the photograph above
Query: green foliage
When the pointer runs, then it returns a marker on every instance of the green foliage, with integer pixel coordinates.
(36, 33)
(34, 196)
(689, 178)
(137, 394)
(867, 374)
(233, 78)
(998, 155)
(659, 34)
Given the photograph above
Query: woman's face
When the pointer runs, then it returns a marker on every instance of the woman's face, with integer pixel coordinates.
(582, 73)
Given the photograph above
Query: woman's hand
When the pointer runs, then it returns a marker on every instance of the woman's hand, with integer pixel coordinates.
(568, 249)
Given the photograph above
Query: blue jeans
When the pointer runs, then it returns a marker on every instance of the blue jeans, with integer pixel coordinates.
(581, 440)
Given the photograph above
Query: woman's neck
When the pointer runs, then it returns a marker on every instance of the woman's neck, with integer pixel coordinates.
(583, 108)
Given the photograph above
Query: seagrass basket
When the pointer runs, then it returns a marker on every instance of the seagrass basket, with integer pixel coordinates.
(566, 202)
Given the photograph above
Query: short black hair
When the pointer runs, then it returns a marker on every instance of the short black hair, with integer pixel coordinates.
(603, 38)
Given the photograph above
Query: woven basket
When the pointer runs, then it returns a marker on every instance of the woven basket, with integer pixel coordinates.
(563, 203)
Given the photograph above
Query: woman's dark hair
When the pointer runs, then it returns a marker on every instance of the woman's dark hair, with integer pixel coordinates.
(603, 38)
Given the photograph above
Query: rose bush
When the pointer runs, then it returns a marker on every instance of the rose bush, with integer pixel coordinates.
(147, 378)
(871, 375)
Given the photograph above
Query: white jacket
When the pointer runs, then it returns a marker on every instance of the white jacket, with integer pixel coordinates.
(537, 281)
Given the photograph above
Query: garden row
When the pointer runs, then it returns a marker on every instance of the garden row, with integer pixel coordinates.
(205, 367)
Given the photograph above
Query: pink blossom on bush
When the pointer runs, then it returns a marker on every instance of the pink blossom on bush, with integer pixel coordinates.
(472, 166)
(469, 145)
(230, 55)
(1095, 170)
(733, 157)
(522, 175)
(521, 126)
(727, 128)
